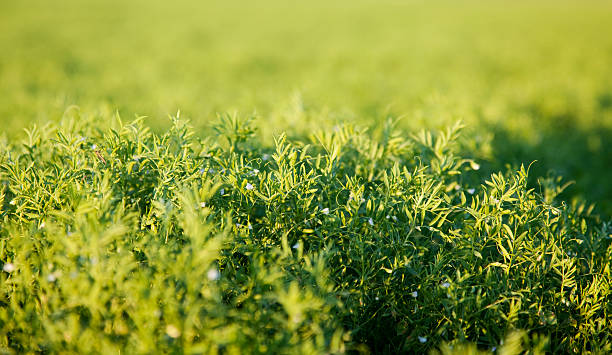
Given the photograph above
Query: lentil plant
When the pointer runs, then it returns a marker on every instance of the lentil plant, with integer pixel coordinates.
(117, 240)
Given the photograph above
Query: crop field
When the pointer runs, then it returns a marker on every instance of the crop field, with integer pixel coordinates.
(392, 176)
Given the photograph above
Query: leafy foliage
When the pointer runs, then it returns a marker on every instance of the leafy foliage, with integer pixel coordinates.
(116, 239)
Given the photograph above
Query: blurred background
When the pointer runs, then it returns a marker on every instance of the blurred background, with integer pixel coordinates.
(532, 80)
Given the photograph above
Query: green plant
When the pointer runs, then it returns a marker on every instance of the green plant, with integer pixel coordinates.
(116, 239)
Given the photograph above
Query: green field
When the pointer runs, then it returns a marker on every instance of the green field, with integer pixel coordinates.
(305, 177)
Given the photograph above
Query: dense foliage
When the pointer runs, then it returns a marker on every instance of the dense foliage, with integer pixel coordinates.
(120, 240)
(339, 207)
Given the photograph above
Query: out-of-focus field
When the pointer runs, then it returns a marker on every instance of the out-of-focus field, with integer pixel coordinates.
(532, 81)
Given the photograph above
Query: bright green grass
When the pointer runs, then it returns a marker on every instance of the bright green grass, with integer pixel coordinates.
(530, 81)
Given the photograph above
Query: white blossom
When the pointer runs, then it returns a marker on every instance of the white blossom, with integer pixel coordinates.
(370, 221)
(471, 191)
(249, 186)
(213, 274)
(445, 285)
(414, 294)
(8, 267)
(325, 210)
(172, 331)
(423, 340)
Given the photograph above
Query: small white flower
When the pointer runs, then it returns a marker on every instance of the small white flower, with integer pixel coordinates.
(387, 217)
(42, 225)
(423, 340)
(445, 285)
(457, 187)
(222, 191)
(494, 348)
(51, 277)
(325, 210)
(265, 157)
(172, 331)
(13, 202)
(494, 200)
(238, 225)
(394, 218)
(377, 298)
(370, 221)
(414, 294)
(296, 245)
(213, 274)
(255, 171)
(8, 267)
(250, 227)
(202, 204)
(471, 191)
(249, 186)
(94, 147)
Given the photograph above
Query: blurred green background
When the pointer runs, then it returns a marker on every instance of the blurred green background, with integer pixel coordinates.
(531, 80)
